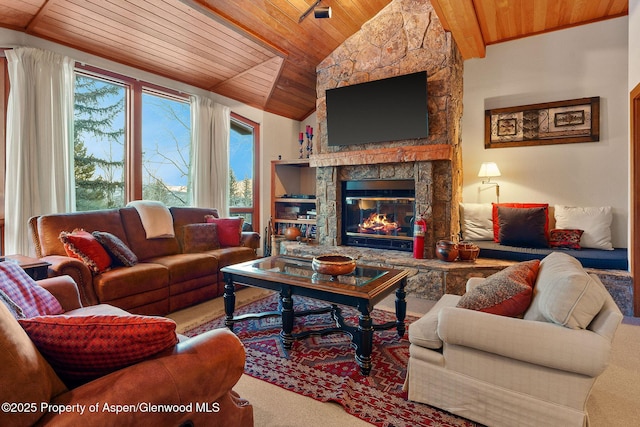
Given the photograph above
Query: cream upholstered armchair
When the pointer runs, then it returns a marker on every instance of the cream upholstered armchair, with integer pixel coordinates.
(507, 371)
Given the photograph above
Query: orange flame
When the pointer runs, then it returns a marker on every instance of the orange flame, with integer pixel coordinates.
(379, 224)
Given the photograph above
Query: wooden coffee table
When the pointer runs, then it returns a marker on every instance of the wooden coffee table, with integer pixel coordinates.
(290, 276)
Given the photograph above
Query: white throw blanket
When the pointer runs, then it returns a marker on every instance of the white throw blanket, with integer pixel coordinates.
(156, 218)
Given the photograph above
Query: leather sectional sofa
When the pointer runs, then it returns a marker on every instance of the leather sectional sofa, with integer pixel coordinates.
(166, 277)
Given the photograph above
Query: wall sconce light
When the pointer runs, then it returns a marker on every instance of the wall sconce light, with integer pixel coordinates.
(489, 170)
(318, 12)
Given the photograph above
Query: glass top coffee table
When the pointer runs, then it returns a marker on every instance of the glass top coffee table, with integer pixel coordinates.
(290, 276)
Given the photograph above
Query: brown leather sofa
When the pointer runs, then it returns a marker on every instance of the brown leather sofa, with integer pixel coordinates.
(164, 280)
(198, 371)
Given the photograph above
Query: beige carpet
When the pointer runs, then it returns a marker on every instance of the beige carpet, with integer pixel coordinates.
(614, 401)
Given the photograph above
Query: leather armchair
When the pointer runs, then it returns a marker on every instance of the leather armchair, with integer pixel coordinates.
(195, 378)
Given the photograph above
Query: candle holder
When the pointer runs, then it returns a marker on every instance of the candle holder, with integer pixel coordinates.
(309, 135)
(301, 141)
(309, 145)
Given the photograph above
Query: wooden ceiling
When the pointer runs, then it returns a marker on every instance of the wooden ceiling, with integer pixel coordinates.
(478, 23)
(257, 51)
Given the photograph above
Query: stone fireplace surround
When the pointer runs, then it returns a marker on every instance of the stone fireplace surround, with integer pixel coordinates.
(422, 165)
(405, 37)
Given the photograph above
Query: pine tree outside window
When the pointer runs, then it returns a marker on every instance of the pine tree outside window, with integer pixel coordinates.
(131, 141)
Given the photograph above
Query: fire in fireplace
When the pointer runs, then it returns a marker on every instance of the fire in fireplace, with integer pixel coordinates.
(378, 214)
(377, 223)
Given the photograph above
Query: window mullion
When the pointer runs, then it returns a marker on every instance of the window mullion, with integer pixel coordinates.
(134, 144)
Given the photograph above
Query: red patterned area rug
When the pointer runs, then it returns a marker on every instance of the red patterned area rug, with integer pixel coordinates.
(324, 368)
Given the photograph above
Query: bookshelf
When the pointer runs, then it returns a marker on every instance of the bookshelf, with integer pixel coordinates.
(293, 196)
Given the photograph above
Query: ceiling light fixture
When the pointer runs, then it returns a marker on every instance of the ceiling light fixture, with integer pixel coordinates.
(322, 12)
(318, 12)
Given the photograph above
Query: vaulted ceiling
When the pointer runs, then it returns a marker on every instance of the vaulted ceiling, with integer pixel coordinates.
(259, 52)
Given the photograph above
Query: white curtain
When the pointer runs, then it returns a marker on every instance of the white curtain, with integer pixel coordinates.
(39, 153)
(210, 127)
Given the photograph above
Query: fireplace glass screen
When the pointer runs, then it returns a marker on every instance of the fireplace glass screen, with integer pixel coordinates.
(379, 214)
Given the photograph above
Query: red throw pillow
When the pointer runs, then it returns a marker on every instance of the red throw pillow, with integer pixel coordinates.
(229, 229)
(565, 238)
(82, 348)
(507, 293)
(31, 298)
(496, 221)
(82, 245)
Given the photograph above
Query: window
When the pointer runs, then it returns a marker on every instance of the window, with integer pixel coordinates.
(166, 149)
(243, 170)
(131, 141)
(99, 143)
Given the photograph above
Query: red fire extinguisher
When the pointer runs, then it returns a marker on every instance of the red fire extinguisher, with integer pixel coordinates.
(419, 231)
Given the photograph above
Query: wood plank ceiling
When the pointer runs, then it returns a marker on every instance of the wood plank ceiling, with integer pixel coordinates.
(257, 51)
(478, 23)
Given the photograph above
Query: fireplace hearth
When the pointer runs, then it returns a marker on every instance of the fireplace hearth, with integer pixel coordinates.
(378, 214)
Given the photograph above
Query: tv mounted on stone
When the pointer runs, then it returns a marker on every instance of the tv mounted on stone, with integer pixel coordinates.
(384, 110)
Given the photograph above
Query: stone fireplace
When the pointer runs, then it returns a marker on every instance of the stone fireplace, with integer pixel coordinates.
(405, 37)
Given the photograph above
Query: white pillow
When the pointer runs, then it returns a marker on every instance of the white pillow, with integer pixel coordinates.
(565, 294)
(476, 221)
(595, 221)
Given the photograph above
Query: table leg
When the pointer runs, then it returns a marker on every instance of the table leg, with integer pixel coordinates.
(229, 300)
(365, 341)
(401, 308)
(287, 316)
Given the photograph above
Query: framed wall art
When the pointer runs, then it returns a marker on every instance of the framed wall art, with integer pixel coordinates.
(561, 122)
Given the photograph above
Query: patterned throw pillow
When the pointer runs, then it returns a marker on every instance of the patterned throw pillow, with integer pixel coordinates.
(229, 229)
(200, 237)
(82, 348)
(33, 299)
(507, 292)
(565, 238)
(116, 248)
(82, 245)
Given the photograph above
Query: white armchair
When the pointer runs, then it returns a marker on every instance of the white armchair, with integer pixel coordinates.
(505, 371)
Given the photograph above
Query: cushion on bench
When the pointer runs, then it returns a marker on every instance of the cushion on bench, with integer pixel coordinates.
(589, 258)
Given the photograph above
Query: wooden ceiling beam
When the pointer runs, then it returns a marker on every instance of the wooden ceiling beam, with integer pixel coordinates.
(460, 18)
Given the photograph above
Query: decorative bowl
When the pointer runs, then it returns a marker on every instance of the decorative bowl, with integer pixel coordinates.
(333, 264)
(446, 250)
(468, 251)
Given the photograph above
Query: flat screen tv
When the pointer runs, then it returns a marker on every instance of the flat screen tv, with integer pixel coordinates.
(390, 109)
